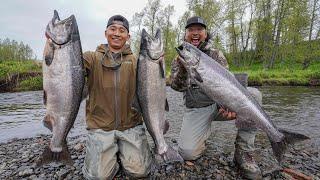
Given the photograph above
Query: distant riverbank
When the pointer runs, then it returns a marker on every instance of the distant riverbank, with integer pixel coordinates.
(27, 75)
(23, 75)
(283, 74)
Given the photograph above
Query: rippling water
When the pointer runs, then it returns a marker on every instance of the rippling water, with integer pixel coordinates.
(21, 116)
(295, 108)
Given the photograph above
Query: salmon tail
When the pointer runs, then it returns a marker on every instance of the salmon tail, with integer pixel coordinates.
(279, 148)
(171, 155)
(48, 156)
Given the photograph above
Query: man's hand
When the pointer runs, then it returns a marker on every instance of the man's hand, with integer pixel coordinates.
(179, 59)
(227, 114)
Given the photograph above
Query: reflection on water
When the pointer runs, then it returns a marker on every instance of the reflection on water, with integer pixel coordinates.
(21, 116)
(296, 108)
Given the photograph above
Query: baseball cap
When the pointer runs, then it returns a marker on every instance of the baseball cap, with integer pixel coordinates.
(118, 18)
(196, 20)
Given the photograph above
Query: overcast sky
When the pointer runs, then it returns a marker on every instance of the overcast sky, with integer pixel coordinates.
(26, 20)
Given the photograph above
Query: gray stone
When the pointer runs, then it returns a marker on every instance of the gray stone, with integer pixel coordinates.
(62, 173)
(25, 173)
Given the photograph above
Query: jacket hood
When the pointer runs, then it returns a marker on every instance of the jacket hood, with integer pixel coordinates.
(103, 48)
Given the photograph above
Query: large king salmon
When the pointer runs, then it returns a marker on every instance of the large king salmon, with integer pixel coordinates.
(222, 87)
(151, 92)
(63, 82)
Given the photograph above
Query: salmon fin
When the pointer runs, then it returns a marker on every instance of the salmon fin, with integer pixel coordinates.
(48, 121)
(49, 53)
(48, 156)
(166, 126)
(166, 107)
(171, 155)
(162, 71)
(85, 92)
(136, 104)
(197, 75)
(279, 148)
(45, 97)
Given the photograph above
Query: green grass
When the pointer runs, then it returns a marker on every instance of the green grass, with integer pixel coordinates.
(30, 84)
(27, 70)
(282, 74)
(10, 67)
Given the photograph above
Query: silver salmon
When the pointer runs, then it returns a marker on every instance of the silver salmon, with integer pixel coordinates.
(151, 92)
(63, 82)
(222, 87)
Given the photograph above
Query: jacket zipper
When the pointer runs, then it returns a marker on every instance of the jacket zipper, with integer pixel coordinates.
(117, 110)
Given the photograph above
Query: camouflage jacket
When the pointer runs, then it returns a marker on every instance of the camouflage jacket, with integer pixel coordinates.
(193, 96)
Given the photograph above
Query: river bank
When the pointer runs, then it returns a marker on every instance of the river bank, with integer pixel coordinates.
(20, 75)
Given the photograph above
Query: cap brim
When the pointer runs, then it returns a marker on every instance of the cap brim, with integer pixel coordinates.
(187, 26)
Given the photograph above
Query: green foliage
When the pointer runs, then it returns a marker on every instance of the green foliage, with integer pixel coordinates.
(8, 68)
(12, 50)
(30, 84)
(286, 73)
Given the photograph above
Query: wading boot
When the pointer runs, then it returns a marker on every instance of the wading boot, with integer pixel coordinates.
(247, 165)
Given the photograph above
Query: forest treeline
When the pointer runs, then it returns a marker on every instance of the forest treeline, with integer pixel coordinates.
(249, 32)
(14, 50)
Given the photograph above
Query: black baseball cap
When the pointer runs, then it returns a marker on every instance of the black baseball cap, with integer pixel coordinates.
(196, 20)
(118, 18)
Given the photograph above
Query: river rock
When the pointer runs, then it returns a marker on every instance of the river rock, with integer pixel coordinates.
(26, 172)
(79, 147)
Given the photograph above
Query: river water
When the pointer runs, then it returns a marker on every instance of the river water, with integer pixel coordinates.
(295, 108)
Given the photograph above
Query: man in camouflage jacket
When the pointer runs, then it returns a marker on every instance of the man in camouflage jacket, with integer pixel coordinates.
(201, 110)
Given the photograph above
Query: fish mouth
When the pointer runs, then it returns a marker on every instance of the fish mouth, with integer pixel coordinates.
(179, 50)
(54, 23)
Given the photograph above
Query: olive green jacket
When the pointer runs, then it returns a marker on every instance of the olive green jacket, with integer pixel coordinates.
(111, 89)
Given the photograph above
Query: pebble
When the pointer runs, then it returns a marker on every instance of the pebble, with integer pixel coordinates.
(79, 147)
(189, 163)
(214, 164)
(26, 172)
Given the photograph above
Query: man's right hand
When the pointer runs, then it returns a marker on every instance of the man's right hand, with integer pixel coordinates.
(225, 113)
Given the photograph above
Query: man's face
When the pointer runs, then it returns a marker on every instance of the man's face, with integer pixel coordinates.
(117, 35)
(195, 34)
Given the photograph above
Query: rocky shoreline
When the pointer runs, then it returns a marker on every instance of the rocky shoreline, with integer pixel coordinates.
(18, 161)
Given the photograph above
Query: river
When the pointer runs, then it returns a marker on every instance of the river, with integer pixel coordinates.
(295, 108)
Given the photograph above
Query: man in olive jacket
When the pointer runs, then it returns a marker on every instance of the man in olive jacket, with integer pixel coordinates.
(115, 130)
(201, 110)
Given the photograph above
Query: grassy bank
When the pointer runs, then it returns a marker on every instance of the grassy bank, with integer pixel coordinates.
(26, 75)
(282, 74)
(20, 75)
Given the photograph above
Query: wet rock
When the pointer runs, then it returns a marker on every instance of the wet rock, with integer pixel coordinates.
(62, 173)
(169, 167)
(189, 163)
(79, 147)
(25, 173)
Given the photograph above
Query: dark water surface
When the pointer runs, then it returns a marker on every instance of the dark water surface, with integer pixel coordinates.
(296, 108)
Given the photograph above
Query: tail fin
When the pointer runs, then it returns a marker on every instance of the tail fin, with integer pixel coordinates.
(171, 155)
(48, 156)
(279, 148)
